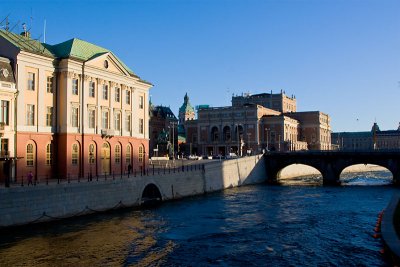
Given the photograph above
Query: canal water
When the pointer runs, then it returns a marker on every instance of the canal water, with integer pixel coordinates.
(298, 223)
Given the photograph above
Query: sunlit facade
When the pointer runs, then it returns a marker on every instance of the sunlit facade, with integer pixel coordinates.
(248, 127)
(80, 110)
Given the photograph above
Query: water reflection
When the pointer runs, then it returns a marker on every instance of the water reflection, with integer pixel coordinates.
(369, 178)
(99, 240)
(253, 225)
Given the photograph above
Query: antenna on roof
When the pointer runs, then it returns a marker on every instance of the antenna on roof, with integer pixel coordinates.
(24, 27)
(7, 23)
(15, 25)
(31, 19)
(44, 32)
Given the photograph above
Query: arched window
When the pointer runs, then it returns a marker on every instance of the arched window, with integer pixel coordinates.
(92, 154)
(117, 153)
(141, 153)
(227, 133)
(49, 154)
(75, 154)
(214, 134)
(29, 155)
(128, 155)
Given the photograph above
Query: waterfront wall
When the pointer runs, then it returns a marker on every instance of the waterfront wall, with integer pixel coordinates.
(23, 205)
(388, 228)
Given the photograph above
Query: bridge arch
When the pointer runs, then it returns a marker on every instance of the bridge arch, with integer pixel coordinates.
(332, 163)
(299, 172)
(151, 195)
(366, 173)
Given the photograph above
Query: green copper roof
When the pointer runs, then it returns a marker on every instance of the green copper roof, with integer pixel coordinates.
(186, 107)
(74, 48)
(83, 50)
(26, 44)
(78, 49)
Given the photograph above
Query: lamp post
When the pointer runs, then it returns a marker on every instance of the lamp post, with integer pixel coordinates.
(279, 143)
(238, 139)
(173, 138)
(90, 164)
(248, 144)
(7, 169)
(266, 137)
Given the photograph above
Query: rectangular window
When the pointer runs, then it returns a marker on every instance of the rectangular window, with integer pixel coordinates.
(117, 154)
(105, 92)
(29, 155)
(117, 94)
(74, 116)
(4, 147)
(141, 126)
(49, 84)
(141, 102)
(75, 154)
(104, 119)
(31, 81)
(49, 116)
(128, 155)
(92, 154)
(117, 121)
(49, 152)
(92, 118)
(30, 115)
(128, 97)
(4, 112)
(75, 86)
(128, 122)
(91, 89)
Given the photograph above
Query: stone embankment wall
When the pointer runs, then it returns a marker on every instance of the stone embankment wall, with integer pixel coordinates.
(388, 229)
(23, 205)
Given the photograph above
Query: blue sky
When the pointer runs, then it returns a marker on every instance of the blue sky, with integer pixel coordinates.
(339, 57)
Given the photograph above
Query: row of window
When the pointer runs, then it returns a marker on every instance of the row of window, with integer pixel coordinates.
(30, 117)
(92, 90)
(30, 154)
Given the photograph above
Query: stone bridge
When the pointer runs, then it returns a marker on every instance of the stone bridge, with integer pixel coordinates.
(331, 163)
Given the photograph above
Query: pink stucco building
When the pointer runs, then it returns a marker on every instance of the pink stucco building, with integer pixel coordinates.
(77, 109)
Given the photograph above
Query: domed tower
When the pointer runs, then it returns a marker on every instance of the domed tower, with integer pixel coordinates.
(186, 111)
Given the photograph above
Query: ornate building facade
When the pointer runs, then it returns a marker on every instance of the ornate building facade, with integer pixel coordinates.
(280, 102)
(80, 110)
(374, 139)
(186, 113)
(247, 127)
(163, 129)
(8, 95)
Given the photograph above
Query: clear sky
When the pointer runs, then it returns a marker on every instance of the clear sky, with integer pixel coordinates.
(341, 57)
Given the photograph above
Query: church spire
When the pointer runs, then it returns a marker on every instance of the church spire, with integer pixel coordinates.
(186, 99)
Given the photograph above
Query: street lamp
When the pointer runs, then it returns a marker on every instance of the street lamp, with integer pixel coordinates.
(90, 164)
(279, 143)
(266, 135)
(238, 139)
(173, 138)
(7, 169)
(248, 143)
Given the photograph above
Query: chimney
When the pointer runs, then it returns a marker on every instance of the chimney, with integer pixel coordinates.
(25, 32)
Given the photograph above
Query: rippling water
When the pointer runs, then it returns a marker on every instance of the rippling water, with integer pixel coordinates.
(254, 225)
